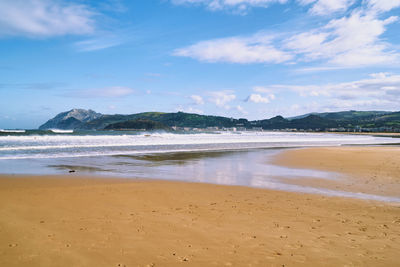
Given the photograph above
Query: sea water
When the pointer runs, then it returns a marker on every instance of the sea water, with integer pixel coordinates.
(230, 158)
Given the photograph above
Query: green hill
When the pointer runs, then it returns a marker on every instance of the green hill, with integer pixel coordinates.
(342, 121)
(179, 119)
(138, 124)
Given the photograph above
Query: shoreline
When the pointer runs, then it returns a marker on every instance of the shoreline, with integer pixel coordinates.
(314, 184)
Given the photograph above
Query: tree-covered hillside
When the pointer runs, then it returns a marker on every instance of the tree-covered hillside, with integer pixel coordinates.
(329, 121)
(138, 124)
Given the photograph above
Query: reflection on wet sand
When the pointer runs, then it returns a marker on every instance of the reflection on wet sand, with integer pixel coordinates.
(78, 168)
(178, 158)
(245, 168)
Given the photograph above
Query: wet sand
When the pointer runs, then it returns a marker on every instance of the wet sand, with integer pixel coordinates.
(372, 170)
(64, 221)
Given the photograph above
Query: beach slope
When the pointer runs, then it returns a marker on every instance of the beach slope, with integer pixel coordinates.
(63, 221)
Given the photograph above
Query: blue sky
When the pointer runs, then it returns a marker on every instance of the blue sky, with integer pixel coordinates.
(238, 58)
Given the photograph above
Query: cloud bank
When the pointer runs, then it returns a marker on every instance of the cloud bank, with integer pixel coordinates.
(379, 91)
(354, 40)
(242, 50)
(44, 18)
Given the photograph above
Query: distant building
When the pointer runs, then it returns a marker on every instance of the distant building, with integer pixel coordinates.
(258, 129)
(212, 128)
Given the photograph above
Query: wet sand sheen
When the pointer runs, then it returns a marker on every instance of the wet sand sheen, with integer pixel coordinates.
(64, 221)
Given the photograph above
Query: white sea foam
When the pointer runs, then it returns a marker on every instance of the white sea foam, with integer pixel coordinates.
(325, 192)
(61, 131)
(12, 131)
(187, 138)
(47, 146)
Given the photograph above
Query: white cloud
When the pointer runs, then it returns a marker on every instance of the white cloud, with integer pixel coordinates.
(380, 90)
(240, 6)
(264, 90)
(363, 104)
(189, 110)
(222, 98)
(383, 5)
(326, 7)
(241, 110)
(348, 41)
(322, 68)
(107, 92)
(317, 7)
(198, 100)
(254, 49)
(257, 98)
(351, 41)
(44, 18)
(263, 95)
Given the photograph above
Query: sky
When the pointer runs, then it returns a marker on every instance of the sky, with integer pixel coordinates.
(251, 59)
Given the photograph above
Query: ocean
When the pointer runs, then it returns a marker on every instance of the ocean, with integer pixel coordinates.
(230, 158)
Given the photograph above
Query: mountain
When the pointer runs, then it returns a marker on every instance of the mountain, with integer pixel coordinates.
(179, 119)
(277, 122)
(310, 121)
(388, 120)
(81, 119)
(368, 120)
(138, 124)
(70, 119)
(344, 115)
(313, 122)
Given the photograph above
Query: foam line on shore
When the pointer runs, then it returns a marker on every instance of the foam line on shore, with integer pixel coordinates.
(326, 192)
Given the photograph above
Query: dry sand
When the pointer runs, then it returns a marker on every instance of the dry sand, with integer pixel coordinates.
(61, 221)
(374, 170)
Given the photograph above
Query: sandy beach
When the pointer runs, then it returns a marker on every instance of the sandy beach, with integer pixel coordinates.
(86, 221)
(373, 170)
